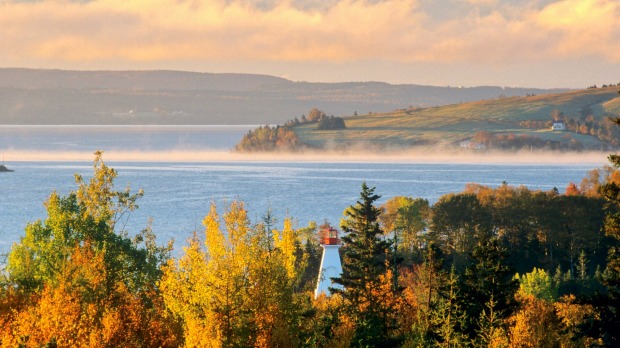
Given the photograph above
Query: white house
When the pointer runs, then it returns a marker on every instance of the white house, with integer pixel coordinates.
(469, 144)
(558, 126)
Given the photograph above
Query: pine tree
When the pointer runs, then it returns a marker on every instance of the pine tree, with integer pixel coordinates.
(365, 261)
(488, 284)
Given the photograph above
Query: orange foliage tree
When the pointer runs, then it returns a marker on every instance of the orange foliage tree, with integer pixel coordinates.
(74, 280)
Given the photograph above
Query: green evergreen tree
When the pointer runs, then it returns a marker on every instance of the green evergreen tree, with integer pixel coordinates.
(365, 258)
(488, 285)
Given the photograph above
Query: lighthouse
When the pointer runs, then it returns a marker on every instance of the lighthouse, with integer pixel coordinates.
(330, 262)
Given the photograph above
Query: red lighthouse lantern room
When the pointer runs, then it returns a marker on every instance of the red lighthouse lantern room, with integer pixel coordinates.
(329, 236)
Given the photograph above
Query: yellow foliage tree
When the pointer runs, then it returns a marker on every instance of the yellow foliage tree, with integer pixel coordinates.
(235, 292)
(285, 242)
(535, 324)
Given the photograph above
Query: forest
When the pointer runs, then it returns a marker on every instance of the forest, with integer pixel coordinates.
(486, 267)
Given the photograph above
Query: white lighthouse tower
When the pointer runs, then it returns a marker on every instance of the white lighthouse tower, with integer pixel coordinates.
(330, 263)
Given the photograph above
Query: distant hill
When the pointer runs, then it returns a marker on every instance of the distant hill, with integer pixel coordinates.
(39, 96)
(132, 80)
(502, 123)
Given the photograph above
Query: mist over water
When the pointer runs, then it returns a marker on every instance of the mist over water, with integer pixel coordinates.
(184, 169)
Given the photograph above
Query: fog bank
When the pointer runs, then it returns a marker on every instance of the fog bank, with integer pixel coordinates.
(412, 156)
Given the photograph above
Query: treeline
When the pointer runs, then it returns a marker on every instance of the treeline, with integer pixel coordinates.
(542, 229)
(274, 138)
(487, 267)
(511, 141)
(331, 123)
(267, 138)
(603, 129)
(323, 121)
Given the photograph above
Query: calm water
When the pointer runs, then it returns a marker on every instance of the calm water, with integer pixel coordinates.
(178, 195)
(126, 138)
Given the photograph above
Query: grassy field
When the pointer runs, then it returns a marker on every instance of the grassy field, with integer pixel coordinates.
(453, 123)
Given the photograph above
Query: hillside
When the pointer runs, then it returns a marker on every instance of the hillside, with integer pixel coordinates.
(585, 112)
(37, 96)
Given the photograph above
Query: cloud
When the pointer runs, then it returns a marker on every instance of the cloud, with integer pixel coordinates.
(481, 2)
(284, 31)
(584, 27)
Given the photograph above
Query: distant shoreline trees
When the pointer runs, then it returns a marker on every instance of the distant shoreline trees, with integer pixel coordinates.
(269, 139)
(283, 138)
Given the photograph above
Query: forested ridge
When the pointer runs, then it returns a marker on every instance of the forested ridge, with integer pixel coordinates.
(486, 267)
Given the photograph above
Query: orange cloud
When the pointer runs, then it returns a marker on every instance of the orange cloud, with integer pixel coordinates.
(341, 31)
(587, 27)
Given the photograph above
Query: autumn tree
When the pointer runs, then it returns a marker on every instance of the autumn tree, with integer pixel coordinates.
(544, 228)
(539, 284)
(407, 218)
(458, 222)
(315, 115)
(535, 324)
(237, 290)
(268, 138)
(82, 280)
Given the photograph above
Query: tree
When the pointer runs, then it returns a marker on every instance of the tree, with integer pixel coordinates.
(238, 291)
(534, 324)
(422, 294)
(331, 123)
(433, 314)
(539, 284)
(94, 215)
(407, 218)
(365, 260)
(488, 288)
(77, 279)
(315, 115)
(458, 222)
(449, 318)
(266, 138)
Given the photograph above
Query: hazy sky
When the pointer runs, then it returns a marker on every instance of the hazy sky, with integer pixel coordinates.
(529, 43)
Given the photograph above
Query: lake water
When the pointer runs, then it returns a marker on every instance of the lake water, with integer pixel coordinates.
(178, 193)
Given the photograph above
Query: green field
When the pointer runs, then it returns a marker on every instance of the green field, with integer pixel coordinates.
(453, 123)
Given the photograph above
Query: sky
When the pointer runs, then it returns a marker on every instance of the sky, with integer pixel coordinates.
(515, 43)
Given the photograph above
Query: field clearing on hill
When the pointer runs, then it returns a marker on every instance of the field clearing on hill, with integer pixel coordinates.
(453, 123)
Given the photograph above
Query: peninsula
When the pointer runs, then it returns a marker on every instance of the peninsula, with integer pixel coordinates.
(569, 121)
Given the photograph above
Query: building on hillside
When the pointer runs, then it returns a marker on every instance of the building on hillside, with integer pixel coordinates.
(558, 126)
(331, 267)
(472, 145)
